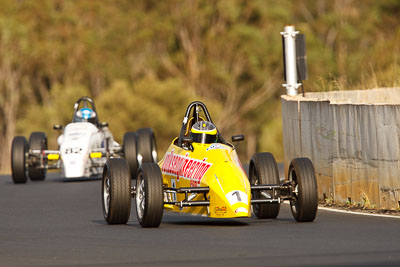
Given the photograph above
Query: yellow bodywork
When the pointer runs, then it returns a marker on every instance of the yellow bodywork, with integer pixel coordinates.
(214, 165)
(53, 157)
(96, 155)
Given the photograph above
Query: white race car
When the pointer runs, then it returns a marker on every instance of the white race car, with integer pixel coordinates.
(84, 146)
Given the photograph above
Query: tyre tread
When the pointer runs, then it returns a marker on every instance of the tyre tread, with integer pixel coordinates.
(37, 140)
(130, 152)
(145, 144)
(18, 149)
(307, 206)
(120, 193)
(267, 169)
(154, 203)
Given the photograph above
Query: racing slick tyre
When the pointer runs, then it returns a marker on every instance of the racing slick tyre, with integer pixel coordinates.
(116, 188)
(147, 147)
(264, 170)
(305, 207)
(149, 195)
(19, 148)
(37, 141)
(129, 146)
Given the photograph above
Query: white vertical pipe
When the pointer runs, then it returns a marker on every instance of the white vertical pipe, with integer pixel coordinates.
(289, 35)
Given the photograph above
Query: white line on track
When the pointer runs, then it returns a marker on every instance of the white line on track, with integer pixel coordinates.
(353, 212)
(358, 213)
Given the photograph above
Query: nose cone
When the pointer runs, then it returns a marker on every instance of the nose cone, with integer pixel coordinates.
(239, 203)
(74, 166)
(76, 141)
(229, 192)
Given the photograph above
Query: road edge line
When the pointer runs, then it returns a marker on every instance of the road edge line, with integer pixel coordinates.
(358, 213)
(352, 212)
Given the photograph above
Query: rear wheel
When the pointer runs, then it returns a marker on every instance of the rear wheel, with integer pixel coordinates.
(129, 147)
(264, 170)
(116, 188)
(305, 206)
(19, 148)
(149, 195)
(147, 147)
(37, 141)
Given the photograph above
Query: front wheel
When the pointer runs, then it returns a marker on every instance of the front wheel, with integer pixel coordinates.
(264, 170)
(19, 148)
(129, 146)
(147, 147)
(305, 206)
(149, 195)
(116, 188)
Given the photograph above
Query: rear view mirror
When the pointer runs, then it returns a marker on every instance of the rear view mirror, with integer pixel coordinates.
(238, 138)
(103, 124)
(57, 127)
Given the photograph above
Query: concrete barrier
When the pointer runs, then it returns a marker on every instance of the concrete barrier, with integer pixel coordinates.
(353, 139)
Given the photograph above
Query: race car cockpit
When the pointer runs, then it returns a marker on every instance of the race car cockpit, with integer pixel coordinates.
(85, 111)
(198, 127)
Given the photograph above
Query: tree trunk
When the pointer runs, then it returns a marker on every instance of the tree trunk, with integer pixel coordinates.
(10, 93)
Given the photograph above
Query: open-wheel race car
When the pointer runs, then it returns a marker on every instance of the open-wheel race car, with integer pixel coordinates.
(201, 174)
(84, 146)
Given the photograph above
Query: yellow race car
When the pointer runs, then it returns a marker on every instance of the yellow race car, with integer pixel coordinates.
(201, 174)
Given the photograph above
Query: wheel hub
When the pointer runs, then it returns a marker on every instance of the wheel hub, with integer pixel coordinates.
(106, 194)
(140, 197)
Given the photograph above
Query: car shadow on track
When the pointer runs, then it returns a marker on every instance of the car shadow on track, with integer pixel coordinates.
(168, 223)
(205, 223)
(182, 220)
(134, 224)
(55, 180)
(78, 180)
(225, 222)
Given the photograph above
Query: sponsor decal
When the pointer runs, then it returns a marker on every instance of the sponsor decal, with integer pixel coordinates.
(73, 150)
(241, 209)
(185, 167)
(220, 210)
(216, 146)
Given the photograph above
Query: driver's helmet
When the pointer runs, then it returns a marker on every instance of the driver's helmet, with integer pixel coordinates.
(204, 132)
(85, 115)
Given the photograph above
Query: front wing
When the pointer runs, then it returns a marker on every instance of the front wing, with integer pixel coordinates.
(269, 194)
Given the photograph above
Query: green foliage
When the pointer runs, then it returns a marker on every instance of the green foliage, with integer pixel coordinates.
(147, 103)
(270, 136)
(57, 110)
(144, 61)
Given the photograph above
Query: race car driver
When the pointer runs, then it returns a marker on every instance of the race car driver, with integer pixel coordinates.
(85, 115)
(204, 132)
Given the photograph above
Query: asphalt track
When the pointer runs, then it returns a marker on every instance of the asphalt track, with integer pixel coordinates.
(60, 223)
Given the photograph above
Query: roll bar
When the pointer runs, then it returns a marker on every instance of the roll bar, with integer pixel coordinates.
(85, 100)
(193, 111)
